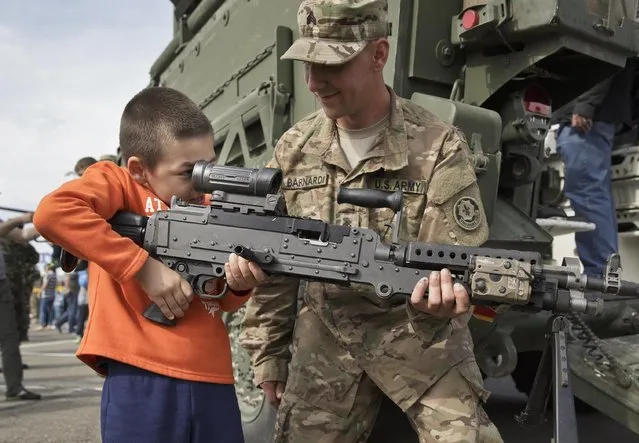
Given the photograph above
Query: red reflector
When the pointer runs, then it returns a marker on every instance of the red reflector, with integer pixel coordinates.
(484, 313)
(538, 108)
(537, 100)
(470, 19)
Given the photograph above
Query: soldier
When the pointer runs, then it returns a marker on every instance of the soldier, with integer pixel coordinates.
(345, 347)
(9, 336)
(21, 272)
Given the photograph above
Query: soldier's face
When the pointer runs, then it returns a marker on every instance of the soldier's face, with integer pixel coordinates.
(345, 90)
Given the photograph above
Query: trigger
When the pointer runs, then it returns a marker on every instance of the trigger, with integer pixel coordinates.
(205, 295)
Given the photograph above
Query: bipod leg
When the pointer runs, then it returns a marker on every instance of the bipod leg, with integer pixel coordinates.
(553, 366)
(535, 410)
(565, 426)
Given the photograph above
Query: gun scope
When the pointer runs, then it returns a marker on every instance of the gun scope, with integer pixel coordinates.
(208, 177)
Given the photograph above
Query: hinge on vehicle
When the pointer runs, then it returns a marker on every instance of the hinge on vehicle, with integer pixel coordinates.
(480, 159)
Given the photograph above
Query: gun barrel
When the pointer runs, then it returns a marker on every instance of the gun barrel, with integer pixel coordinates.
(625, 288)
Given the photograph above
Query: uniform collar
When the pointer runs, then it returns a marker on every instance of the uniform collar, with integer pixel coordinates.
(391, 152)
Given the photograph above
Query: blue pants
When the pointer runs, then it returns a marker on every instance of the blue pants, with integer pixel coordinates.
(69, 314)
(46, 311)
(142, 407)
(587, 184)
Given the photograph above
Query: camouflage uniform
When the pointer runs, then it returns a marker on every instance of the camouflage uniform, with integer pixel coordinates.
(349, 347)
(21, 260)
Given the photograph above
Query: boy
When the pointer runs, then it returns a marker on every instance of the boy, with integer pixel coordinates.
(163, 384)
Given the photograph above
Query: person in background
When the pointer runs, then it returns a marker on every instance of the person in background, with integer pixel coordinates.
(82, 312)
(82, 164)
(69, 306)
(48, 296)
(587, 127)
(12, 368)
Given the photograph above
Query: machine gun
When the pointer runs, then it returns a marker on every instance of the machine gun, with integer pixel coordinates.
(247, 216)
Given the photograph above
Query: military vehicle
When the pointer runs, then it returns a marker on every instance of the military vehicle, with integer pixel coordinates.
(494, 68)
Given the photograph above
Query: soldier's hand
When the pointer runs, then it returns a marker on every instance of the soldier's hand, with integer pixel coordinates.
(242, 274)
(165, 288)
(581, 123)
(438, 296)
(273, 390)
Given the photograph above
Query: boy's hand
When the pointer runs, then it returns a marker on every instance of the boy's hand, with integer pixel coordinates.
(165, 288)
(242, 274)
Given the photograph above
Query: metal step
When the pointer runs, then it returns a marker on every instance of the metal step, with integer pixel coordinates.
(596, 385)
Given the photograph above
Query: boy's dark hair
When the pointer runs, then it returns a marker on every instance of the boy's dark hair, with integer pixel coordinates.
(83, 163)
(156, 116)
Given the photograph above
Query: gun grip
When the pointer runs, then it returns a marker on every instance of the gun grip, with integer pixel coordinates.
(155, 314)
(68, 261)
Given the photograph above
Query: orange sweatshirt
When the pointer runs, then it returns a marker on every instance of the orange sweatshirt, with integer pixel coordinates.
(75, 217)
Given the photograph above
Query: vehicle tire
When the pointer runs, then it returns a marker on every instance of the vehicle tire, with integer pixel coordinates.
(258, 426)
(524, 373)
(258, 416)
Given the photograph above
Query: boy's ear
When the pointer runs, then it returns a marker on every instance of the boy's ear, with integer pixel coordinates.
(136, 169)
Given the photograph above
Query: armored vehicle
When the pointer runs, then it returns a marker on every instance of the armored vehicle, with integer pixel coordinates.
(494, 68)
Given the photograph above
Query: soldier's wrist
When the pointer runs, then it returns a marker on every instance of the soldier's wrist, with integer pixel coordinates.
(274, 369)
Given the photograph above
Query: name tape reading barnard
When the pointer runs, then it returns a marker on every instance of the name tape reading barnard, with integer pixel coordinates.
(305, 181)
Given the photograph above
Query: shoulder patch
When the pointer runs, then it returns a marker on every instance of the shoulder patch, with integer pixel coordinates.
(467, 214)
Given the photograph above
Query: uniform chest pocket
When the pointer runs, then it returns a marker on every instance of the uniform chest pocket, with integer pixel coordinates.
(309, 195)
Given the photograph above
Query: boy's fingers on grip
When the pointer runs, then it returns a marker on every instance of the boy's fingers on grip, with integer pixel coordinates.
(164, 308)
(187, 292)
(174, 305)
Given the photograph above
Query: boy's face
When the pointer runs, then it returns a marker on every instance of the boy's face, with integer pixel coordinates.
(172, 173)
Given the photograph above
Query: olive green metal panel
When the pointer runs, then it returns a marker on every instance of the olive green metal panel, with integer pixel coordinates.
(433, 56)
(482, 128)
(231, 55)
(552, 39)
(231, 67)
(514, 39)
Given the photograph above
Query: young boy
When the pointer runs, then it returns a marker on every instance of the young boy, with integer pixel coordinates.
(163, 384)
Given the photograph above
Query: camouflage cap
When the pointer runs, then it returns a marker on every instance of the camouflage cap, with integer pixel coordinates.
(333, 32)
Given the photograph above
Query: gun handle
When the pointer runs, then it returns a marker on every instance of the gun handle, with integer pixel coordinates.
(155, 314)
(68, 261)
